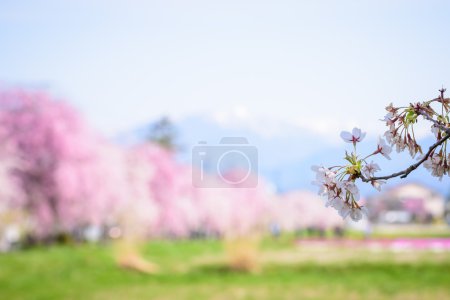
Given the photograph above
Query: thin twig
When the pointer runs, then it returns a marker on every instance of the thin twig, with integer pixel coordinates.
(438, 124)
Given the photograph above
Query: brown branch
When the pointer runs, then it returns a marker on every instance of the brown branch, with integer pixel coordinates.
(405, 173)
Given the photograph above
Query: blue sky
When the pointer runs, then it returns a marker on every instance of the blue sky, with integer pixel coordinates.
(322, 66)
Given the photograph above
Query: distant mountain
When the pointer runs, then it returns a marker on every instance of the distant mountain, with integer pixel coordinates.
(286, 152)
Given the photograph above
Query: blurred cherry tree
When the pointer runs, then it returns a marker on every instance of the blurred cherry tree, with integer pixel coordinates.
(59, 164)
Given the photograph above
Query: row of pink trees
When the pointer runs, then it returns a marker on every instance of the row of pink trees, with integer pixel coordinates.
(65, 176)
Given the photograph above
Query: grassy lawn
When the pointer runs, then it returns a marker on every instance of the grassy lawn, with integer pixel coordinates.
(195, 270)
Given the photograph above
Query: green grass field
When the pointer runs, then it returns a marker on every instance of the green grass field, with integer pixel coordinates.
(196, 270)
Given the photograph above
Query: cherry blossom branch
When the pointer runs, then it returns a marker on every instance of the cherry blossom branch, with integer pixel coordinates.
(338, 183)
(405, 173)
(438, 124)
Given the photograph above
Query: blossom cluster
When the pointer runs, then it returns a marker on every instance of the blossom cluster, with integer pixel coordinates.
(400, 134)
(401, 129)
(338, 183)
(341, 195)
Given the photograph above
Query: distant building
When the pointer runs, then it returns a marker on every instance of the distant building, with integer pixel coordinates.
(407, 203)
(447, 211)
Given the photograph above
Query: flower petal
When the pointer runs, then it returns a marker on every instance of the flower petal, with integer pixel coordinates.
(356, 132)
(346, 136)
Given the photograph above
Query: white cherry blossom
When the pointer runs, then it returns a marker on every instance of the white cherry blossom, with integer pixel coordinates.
(356, 214)
(436, 165)
(377, 184)
(370, 169)
(351, 187)
(344, 211)
(435, 130)
(383, 148)
(354, 137)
